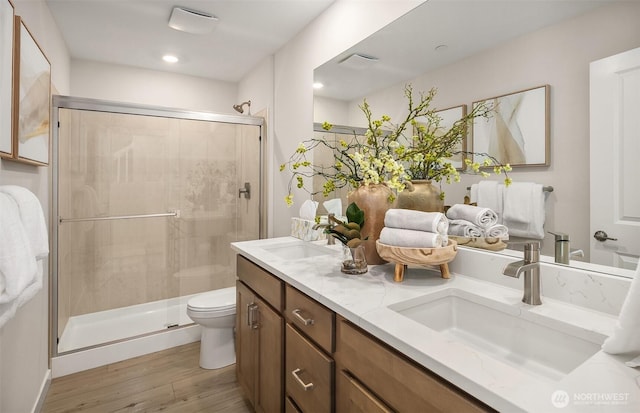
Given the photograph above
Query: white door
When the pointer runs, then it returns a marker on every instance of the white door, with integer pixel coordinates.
(615, 159)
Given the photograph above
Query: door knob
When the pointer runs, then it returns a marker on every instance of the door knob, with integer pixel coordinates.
(602, 236)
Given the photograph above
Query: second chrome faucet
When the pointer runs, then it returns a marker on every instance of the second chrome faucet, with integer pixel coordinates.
(530, 266)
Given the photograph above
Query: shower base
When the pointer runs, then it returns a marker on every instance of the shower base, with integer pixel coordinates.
(128, 332)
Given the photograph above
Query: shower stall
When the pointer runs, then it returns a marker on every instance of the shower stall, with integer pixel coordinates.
(146, 202)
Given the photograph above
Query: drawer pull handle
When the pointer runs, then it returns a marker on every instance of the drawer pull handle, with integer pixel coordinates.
(305, 386)
(251, 315)
(305, 321)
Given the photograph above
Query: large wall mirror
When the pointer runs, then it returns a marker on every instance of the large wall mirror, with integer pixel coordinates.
(474, 50)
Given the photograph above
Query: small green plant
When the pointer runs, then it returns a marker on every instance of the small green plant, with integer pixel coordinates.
(349, 232)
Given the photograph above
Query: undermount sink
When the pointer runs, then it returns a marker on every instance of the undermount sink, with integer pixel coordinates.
(501, 331)
(297, 250)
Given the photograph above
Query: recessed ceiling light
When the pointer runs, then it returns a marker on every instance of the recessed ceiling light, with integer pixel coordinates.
(170, 58)
(317, 85)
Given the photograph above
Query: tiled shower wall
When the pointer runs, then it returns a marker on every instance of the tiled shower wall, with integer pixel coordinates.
(118, 164)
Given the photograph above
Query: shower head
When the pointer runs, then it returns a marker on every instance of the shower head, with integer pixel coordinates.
(239, 108)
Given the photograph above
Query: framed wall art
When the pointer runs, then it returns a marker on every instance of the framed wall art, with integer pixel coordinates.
(6, 78)
(517, 133)
(448, 118)
(31, 98)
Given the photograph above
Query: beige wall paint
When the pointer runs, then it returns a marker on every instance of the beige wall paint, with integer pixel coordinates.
(24, 360)
(558, 55)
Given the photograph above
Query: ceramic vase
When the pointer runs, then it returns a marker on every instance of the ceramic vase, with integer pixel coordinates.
(373, 199)
(420, 195)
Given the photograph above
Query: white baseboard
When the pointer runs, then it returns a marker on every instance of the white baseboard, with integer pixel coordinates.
(42, 395)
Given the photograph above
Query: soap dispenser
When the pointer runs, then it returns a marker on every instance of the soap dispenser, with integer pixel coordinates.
(563, 251)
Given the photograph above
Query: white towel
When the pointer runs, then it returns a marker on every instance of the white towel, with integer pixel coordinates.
(479, 216)
(497, 231)
(32, 218)
(409, 238)
(524, 212)
(17, 261)
(490, 195)
(24, 244)
(8, 310)
(464, 228)
(417, 220)
(626, 335)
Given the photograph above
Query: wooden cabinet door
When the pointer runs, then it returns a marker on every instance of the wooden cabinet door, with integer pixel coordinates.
(246, 343)
(270, 352)
(308, 374)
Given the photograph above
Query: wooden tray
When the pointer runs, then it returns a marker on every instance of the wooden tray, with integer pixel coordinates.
(402, 256)
(491, 244)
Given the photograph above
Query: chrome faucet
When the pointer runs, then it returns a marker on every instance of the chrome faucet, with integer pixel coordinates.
(330, 224)
(530, 266)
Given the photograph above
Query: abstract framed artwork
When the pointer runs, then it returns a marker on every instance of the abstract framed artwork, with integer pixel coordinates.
(6, 78)
(448, 117)
(31, 98)
(517, 133)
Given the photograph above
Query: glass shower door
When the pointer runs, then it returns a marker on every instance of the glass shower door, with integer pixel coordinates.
(147, 207)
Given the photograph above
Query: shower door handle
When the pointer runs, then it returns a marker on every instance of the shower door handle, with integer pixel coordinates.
(246, 191)
(252, 312)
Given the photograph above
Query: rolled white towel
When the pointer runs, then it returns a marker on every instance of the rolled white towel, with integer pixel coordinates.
(464, 228)
(479, 216)
(417, 220)
(497, 231)
(409, 238)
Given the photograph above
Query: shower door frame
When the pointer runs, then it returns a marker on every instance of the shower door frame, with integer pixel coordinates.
(97, 105)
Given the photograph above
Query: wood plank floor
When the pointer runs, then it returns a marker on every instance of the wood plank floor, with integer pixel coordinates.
(166, 381)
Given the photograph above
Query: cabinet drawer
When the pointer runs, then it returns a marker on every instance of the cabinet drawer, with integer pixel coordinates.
(264, 284)
(311, 317)
(403, 385)
(308, 373)
(290, 406)
(353, 397)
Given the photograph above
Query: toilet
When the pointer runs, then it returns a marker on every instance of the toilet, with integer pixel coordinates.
(215, 312)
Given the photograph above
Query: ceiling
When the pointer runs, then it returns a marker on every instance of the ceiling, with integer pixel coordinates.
(408, 47)
(135, 33)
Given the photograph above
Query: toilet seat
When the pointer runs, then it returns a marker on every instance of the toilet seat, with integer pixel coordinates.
(217, 302)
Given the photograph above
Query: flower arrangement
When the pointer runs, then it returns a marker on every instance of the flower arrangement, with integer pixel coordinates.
(385, 155)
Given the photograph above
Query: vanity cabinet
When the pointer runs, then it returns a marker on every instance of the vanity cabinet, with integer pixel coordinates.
(373, 377)
(296, 355)
(259, 336)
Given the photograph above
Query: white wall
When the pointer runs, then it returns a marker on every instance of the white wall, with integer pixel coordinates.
(24, 355)
(558, 55)
(149, 87)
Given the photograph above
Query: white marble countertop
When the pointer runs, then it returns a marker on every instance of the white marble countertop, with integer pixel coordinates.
(601, 384)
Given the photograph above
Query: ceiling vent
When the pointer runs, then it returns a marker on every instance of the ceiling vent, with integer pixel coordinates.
(358, 61)
(192, 21)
